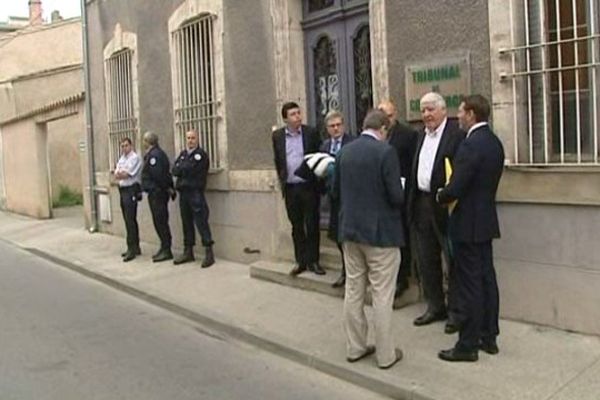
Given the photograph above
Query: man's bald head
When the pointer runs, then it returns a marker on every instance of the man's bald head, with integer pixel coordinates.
(388, 107)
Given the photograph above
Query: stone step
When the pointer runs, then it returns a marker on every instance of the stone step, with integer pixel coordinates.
(278, 272)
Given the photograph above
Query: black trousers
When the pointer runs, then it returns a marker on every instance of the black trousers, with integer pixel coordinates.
(159, 207)
(302, 206)
(129, 203)
(405, 252)
(477, 293)
(431, 242)
(194, 211)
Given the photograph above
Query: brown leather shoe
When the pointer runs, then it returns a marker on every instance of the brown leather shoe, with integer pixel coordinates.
(399, 356)
(368, 351)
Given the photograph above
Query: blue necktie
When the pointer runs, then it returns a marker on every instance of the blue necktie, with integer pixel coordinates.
(336, 146)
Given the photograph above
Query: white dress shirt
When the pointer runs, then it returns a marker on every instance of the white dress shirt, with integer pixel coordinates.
(429, 149)
(132, 165)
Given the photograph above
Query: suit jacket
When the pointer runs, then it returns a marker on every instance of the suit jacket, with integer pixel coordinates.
(326, 145)
(311, 141)
(334, 206)
(477, 170)
(403, 138)
(367, 184)
(449, 142)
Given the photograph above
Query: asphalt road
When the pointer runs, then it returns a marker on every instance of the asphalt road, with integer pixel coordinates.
(66, 337)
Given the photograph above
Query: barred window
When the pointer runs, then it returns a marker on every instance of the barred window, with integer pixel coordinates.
(555, 77)
(195, 102)
(122, 121)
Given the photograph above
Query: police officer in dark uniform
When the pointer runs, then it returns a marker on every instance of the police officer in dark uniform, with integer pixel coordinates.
(191, 170)
(158, 183)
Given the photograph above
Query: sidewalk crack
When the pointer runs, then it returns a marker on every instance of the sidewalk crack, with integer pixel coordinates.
(577, 376)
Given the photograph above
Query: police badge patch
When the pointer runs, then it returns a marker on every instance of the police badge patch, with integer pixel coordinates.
(197, 157)
(153, 161)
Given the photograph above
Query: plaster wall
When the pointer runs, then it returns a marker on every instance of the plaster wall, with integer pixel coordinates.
(26, 177)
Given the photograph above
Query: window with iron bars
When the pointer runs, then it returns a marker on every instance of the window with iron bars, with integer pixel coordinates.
(122, 121)
(555, 78)
(195, 103)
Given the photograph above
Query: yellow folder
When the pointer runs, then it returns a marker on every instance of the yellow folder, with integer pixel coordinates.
(448, 170)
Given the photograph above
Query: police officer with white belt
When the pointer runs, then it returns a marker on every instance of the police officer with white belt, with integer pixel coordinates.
(191, 171)
(127, 173)
(158, 183)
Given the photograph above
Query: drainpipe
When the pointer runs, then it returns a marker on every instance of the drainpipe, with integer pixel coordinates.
(89, 121)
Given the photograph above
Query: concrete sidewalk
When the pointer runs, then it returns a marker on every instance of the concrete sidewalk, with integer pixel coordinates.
(534, 362)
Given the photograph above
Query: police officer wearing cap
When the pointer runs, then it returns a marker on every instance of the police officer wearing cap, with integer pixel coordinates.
(158, 183)
(191, 171)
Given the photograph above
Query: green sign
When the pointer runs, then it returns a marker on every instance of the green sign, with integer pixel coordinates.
(450, 77)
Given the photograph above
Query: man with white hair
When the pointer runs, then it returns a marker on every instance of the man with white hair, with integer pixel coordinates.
(437, 141)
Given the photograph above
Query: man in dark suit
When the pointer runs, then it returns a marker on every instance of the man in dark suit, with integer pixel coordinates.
(473, 224)
(367, 182)
(439, 140)
(338, 138)
(290, 144)
(403, 138)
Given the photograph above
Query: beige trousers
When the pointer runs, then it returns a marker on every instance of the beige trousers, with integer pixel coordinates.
(379, 267)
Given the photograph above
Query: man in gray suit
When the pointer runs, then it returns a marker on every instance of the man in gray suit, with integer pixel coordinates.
(367, 183)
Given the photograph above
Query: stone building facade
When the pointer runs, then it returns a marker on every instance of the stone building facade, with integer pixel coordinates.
(226, 67)
(41, 115)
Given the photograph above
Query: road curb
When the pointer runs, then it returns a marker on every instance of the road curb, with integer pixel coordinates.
(244, 335)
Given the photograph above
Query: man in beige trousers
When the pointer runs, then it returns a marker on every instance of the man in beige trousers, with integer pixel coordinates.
(367, 182)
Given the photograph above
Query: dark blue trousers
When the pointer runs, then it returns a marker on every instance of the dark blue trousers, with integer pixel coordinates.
(477, 293)
(194, 211)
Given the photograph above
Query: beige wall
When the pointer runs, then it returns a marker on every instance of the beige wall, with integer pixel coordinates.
(40, 48)
(25, 168)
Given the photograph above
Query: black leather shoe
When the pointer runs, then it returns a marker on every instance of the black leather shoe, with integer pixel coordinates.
(341, 281)
(298, 269)
(163, 255)
(451, 327)
(184, 258)
(316, 268)
(489, 346)
(128, 256)
(136, 252)
(430, 317)
(454, 355)
(209, 257)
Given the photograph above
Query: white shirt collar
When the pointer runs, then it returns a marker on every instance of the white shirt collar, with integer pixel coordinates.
(371, 133)
(477, 125)
(437, 130)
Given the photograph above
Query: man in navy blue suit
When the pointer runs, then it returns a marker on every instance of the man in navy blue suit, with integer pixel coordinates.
(338, 138)
(473, 224)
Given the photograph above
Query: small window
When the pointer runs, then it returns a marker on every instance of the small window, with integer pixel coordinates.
(122, 122)
(556, 72)
(195, 105)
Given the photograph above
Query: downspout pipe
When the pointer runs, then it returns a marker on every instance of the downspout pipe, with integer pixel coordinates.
(89, 121)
